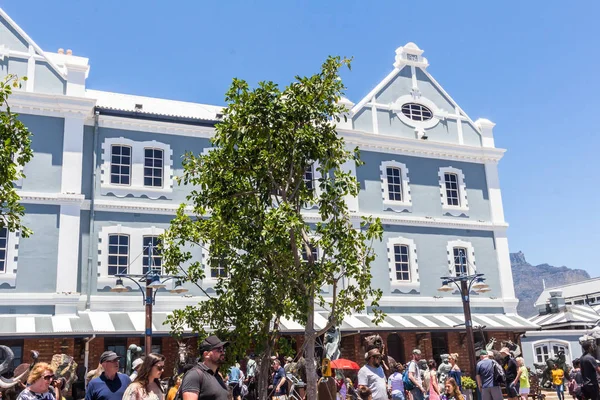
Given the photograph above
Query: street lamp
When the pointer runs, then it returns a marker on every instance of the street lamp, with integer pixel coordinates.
(465, 283)
(153, 281)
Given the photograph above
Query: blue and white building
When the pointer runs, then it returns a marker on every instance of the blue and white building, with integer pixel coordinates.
(101, 187)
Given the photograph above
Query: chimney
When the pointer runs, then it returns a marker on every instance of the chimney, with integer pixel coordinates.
(556, 302)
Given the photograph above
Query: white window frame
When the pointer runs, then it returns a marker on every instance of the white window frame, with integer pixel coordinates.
(396, 107)
(317, 188)
(471, 265)
(550, 343)
(463, 207)
(136, 186)
(154, 255)
(9, 276)
(398, 206)
(136, 249)
(162, 168)
(414, 282)
(120, 164)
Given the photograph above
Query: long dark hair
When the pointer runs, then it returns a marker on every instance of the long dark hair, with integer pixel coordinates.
(455, 390)
(144, 373)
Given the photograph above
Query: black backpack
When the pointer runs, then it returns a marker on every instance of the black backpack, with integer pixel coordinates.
(499, 375)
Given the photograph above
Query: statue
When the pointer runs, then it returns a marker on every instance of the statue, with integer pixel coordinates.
(376, 342)
(443, 369)
(134, 351)
(65, 368)
(7, 383)
(183, 357)
(332, 343)
(544, 370)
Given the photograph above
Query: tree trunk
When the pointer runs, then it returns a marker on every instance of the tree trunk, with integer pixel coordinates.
(309, 351)
(265, 368)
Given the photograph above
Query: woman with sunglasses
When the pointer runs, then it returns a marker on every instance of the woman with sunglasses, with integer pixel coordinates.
(39, 384)
(146, 385)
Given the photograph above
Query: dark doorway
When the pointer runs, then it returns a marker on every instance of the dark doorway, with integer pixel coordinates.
(395, 346)
(439, 345)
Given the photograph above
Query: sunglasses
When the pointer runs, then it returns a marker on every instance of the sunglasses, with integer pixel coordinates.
(160, 367)
(48, 377)
(219, 349)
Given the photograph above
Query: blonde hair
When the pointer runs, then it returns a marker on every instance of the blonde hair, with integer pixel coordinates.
(520, 361)
(37, 371)
(454, 356)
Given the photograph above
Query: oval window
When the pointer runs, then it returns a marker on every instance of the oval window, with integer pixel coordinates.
(417, 112)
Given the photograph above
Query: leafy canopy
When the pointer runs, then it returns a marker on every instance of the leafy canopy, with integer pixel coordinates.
(255, 210)
(15, 152)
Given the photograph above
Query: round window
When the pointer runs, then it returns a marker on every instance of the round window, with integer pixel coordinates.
(417, 112)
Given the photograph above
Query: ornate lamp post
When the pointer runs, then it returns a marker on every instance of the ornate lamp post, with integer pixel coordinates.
(465, 283)
(152, 282)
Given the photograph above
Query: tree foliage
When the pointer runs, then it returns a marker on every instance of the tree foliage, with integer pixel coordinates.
(15, 152)
(259, 217)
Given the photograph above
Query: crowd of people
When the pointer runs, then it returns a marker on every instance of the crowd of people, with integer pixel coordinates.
(377, 379)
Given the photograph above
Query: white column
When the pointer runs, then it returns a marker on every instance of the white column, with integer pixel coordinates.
(500, 238)
(30, 70)
(351, 201)
(68, 233)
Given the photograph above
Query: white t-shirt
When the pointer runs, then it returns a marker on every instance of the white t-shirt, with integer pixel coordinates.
(395, 383)
(374, 379)
(414, 368)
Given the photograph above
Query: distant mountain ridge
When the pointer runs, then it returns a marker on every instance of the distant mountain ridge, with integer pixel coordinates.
(528, 280)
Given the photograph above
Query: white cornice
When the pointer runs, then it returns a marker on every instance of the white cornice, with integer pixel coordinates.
(51, 198)
(169, 128)
(114, 205)
(39, 299)
(420, 148)
(51, 104)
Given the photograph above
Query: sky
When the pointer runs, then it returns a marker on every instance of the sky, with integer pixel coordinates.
(529, 66)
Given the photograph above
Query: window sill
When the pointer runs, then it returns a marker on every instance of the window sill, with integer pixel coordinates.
(10, 279)
(397, 206)
(456, 211)
(136, 191)
(405, 287)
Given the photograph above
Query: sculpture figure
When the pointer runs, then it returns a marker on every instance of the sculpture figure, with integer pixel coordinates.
(134, 351)
(332, 343)
(443, 369)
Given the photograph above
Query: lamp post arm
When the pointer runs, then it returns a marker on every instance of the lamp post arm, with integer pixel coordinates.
(136, 282)
(156, 291)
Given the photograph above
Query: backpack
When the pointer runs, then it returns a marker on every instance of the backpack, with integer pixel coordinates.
(499, 375)
(179, 395)
(408, 384)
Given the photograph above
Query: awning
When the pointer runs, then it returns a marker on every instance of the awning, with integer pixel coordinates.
(571, 315)
(133, 323)
(418, 322)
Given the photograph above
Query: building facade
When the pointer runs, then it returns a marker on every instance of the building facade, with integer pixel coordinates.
(101, 188)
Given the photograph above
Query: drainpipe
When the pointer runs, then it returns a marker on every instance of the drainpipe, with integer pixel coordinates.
(87, 357)
(91, 221)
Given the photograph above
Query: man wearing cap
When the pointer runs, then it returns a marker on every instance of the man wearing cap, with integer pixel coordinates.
(204, 382)
(111, 384)
(488, 388)
(135, 365)
(371, 376)
(414, 374)
(510, 370)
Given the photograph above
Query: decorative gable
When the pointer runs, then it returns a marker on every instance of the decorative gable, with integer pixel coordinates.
(410, 103)
(51, 73)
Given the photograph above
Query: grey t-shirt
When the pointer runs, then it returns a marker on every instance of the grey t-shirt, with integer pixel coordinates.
(374, 379)
(208, 386)
(414, 368)
(485, 370)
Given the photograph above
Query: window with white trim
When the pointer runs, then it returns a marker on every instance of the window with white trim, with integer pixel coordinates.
(417, 112)
(314, 252)
(153, 167)
(402, 263)
(118, 254)
(461, 261)
(547, 349)
(136, 168)
(395, 186)
(120, 165)
(123, 249)
(309, 179)
(461, 258)
(218, 271)
(453, 191)
(152, 255)
(3, 249)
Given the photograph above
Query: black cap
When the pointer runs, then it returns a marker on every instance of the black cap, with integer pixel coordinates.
(212, 342)
(109, 356)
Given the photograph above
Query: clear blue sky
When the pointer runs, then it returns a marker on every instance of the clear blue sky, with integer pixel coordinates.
(530, 66)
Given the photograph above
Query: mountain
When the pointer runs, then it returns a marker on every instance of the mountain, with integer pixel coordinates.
(528, 280)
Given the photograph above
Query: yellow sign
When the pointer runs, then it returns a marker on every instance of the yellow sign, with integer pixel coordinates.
(325, 367)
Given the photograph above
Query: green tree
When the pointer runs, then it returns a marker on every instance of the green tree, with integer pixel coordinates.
(15, 152)
(262, 220)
